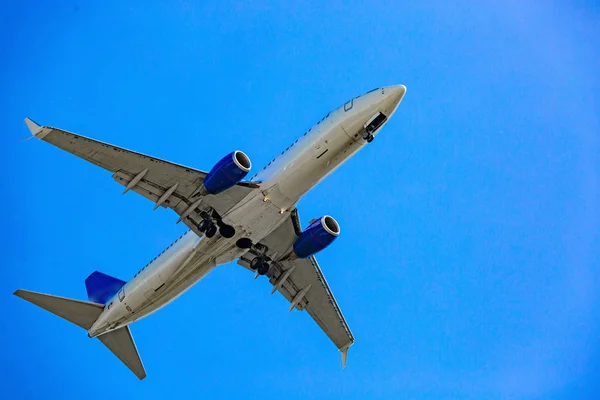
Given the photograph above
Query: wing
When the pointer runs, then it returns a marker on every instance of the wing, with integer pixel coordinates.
(302, 282)
(164, 183)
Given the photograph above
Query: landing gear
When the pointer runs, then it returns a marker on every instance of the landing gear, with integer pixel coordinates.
(259, 264)
(204, 225)
(255, 263)
(211, 231)
(207, 227)
(368, 136)
(263, 268)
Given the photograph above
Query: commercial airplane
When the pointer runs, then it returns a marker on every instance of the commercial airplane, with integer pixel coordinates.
(252, 221)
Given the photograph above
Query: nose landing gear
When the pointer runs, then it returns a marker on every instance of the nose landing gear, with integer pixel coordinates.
(372, 125)
(368, 135)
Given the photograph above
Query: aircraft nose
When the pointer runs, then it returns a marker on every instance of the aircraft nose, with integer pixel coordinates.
(394, 95)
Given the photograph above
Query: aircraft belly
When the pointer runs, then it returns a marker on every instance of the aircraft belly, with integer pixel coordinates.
(335, 144)
(185, 277)
(257, 217)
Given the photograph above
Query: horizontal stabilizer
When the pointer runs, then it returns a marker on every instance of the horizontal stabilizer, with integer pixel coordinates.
(81, 313)
(121, 343)
(101, 287)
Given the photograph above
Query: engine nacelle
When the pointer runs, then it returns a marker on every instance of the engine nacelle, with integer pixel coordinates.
(316, 237)
(226, 173)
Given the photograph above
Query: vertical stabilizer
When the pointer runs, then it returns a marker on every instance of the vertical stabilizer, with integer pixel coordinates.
(101, 287)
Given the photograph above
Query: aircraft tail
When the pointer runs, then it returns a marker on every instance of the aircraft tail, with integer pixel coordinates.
(84, 314)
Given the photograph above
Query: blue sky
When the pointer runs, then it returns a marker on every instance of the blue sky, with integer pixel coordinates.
(468, 262)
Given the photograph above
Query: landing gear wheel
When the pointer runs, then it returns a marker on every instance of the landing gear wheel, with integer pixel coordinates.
(227, 231)
(368, 136)
(211, 231)
(244, 243)
(255, 263)
(263, 268)
(204, 225)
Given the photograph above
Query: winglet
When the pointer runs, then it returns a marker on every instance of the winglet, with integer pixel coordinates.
(344, 355)
(34, 128)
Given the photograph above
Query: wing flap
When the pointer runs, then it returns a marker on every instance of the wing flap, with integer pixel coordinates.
(319, 301)
(148, 189)
(114, 159)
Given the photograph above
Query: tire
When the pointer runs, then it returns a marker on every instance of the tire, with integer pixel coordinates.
(203, 225)
(211, 231)
(255, 263)
(263, 268)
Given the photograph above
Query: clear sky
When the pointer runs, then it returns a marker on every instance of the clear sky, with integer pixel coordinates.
(468, 261)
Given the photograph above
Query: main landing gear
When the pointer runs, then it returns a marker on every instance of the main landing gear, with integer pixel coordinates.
(210, 225)
(260, 264)
(207, 227)
(368, 136)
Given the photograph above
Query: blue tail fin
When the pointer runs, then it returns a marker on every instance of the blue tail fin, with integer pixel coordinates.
(101, 287)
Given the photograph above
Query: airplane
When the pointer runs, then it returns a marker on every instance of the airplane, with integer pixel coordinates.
(229, 218)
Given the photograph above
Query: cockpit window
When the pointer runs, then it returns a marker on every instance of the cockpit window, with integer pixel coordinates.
(373, 90)
(348, 105)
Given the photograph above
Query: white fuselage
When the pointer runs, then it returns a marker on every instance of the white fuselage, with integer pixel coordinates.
(283, 181)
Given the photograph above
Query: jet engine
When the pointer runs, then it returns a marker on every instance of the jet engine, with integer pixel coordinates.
(319, 234)
(230, 170)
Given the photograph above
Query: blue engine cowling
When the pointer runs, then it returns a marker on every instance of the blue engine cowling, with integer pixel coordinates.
(316, 237)
(226, 173)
